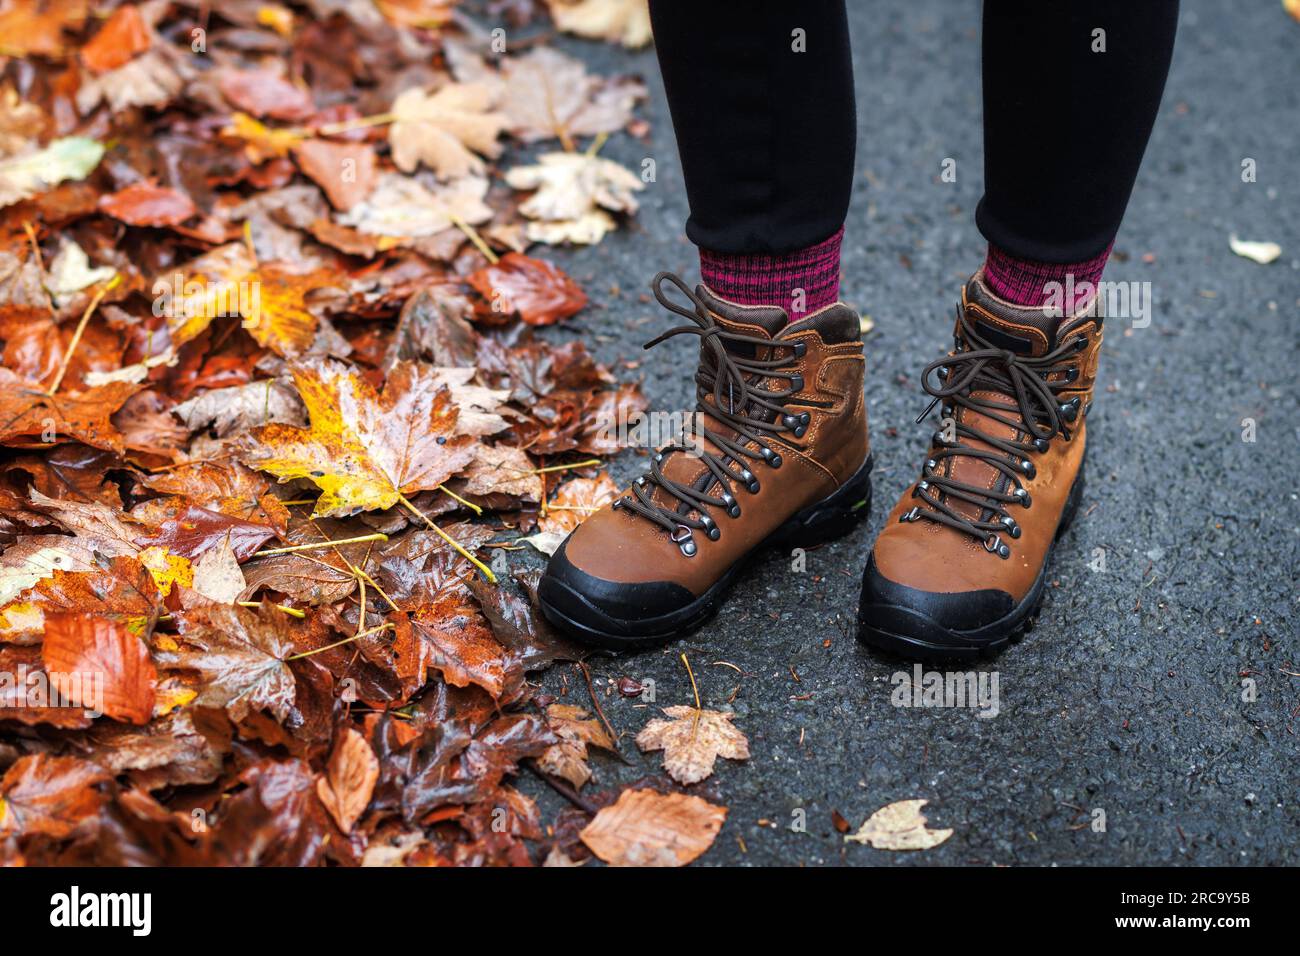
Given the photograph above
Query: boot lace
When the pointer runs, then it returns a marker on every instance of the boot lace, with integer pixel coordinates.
(753, 413)
(1035, 384)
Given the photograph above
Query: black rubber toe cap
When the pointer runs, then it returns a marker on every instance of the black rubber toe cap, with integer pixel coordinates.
(610, 613)
(927, 617)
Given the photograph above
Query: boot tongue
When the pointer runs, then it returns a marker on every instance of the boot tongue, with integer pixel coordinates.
(1025, 330)
(764, 320)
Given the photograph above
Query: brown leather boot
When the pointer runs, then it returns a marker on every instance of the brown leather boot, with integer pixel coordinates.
(959, 566)
(780, 458)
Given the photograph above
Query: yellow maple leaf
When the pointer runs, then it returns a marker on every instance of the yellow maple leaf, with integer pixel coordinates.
(365, 451)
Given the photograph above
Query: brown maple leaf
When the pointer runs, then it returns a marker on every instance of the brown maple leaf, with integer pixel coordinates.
(692, 741)
(30, 417)
(240, 656)
(568, 758)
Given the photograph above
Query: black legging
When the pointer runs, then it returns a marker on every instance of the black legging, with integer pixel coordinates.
(767, 133)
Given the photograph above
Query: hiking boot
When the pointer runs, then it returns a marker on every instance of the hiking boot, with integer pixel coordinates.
(959, 566)
(776, 456)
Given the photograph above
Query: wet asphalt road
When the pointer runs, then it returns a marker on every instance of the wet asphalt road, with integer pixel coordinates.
(1128, 697)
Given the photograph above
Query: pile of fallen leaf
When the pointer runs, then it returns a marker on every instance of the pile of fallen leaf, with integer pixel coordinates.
(274, 415)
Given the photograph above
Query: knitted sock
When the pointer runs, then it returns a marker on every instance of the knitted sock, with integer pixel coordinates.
(801, 282)
(1030, 283)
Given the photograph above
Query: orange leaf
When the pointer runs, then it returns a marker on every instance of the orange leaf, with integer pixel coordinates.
(148, 204)
(122, 37)
(99, 664)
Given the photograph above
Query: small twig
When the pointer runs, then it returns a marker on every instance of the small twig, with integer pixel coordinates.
(475, 238)
(315, 546)
(564, 790)
(577, 464)
(291, 611)
(468, 504)
(81, 327)
(483, 568)
(595, 702)
(347, 640)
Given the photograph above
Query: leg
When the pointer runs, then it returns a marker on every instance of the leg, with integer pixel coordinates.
(762, 105)
(1070, 95)
(960, 565)
(776, 454)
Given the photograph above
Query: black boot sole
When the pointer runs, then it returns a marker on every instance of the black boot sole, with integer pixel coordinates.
(833, 517)
(945, 644)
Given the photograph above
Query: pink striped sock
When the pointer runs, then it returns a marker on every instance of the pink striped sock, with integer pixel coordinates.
(1030, 283)
(801, 282)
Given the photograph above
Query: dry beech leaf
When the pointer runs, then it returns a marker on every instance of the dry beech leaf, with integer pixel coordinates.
(365, 450)
(50, 796)
(1261, 252)
(535, 290)
(692, 741)
(148, 204)
(620, 21)
(263, 93)
(444, 130)
(575, 730)
(645, 828)
(899, 826)
(80, 644)
(349, 780)
(122, 36)
(575, 195)
(346, 171)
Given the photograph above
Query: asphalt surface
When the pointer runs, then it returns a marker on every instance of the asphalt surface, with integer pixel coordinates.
(1128, 697)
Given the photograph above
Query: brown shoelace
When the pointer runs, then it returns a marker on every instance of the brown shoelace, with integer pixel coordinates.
(753, 413)
(1034, 384)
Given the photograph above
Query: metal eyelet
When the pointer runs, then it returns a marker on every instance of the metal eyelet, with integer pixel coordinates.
(1027, 469)
(618, 503)
(750, 482)
(684, 539)
(1009, 523)
(1022, 495)
(800, 349)
(796, 384)
(993, 545)
(1072, 374)
(1081, 343)
(931, 464)
(913, 515)
(772, 458)
(798, 424)
(922, 486)
(729, 502)
(710, 528)
(1041, 444)
(1070, 410)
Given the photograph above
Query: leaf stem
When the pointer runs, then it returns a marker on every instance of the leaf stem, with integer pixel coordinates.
(291, 611)
(468, 504)
(377, 536)
(474, 237)
(483, 568)
(81, 327)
